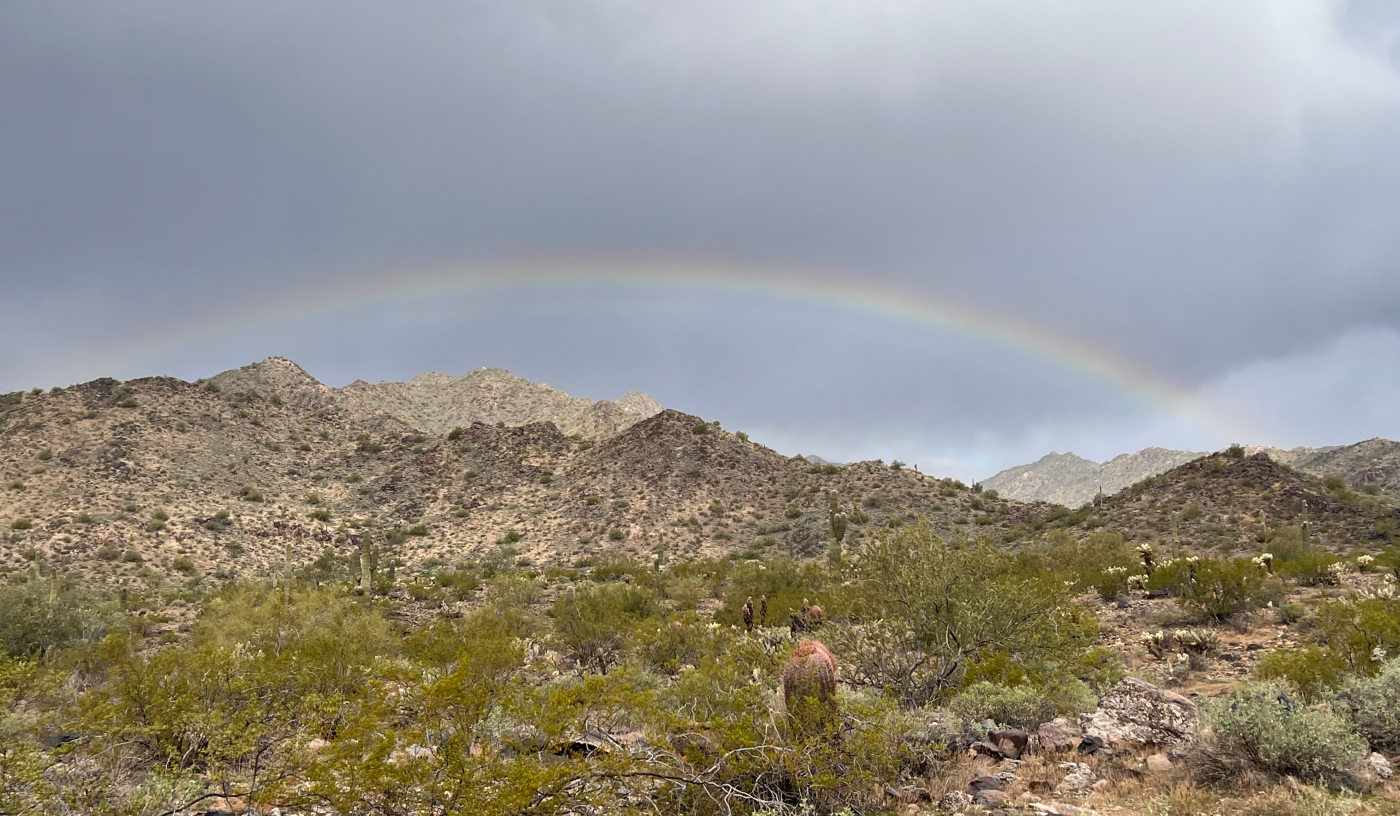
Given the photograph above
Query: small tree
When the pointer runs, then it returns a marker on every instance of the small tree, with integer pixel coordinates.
(932, 609)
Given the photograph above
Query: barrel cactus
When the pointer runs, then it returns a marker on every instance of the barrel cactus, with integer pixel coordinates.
(809, 686)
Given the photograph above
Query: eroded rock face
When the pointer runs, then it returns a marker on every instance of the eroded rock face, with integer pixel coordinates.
(1139, 713)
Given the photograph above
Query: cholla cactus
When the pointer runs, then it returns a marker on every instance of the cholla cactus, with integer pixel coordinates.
(1138, 582)
(1333, 575)
(1198, 641)
(1148, 556)
(809, 686)
(1264, 561)
(1364, 562)
(1115, 570)
(1158, 643)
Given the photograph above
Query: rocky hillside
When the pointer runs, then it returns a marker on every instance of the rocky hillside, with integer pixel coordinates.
(1224, 503)
(437, 403)
(1063, 478)
(159, 479)
(1372, 466)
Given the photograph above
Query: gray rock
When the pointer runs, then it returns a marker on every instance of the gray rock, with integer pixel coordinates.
(1139, 713)
(1058, 735)
(1378, 765)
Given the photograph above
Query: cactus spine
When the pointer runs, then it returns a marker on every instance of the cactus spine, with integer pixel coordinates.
(809, 687)
(837, 519)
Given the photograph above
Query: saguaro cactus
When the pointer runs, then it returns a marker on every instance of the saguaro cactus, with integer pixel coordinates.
(809, 686)
(837, 519)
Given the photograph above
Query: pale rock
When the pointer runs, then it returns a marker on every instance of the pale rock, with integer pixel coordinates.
(1159, 763)
(1378, 765)
(1139, 713)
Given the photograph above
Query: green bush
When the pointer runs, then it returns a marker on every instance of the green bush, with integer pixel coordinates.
(1221, 588)
(183, 564)
(21, 523)
(593, 624)
(1264, 728)
(1372, 705)
(418, 530)
(1364, 631)
(1309, 671)
(931, 610)
(1021, 706)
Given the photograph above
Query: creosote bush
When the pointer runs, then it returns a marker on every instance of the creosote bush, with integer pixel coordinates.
(1265, 728)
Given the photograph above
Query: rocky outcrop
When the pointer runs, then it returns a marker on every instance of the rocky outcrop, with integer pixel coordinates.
(1063, 478)
(1136, 713)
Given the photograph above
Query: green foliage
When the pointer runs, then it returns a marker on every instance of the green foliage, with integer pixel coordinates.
(1221, 588)
(21, 523)
(1021, 706)
(418, 530)
(183, 564)
(1362, 631)
(249, 493)
(454, 434)
(129, 402)
(1263, 728)
(1372, 706)
(32, 625)
(1310, 671)
(932, 610)
(700, 428)
(593, 624)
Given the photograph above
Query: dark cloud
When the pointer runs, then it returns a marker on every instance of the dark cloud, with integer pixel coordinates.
(1205, 189)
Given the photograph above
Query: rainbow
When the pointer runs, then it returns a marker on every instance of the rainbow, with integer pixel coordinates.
(882, 300)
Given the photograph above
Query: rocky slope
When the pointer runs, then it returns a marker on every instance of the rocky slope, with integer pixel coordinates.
(1372, 465)
(163, 480)
(1063, 478)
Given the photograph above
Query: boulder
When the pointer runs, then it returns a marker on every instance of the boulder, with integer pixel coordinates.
(1159, 764)
(983, 783)
(989, 798)
(1378, 765)
(1058, 735)
(954, 801)
(1136, 713)
(1011, 741)
(1079, 781)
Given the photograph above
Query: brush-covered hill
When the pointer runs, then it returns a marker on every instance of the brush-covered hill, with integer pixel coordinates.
(1069, 480)
(160, 479)
(1224, 501)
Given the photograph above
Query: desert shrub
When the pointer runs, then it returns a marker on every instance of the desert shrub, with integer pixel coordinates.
(183, 564)
(1309, 671)
(1021, 706)
(1221, 588)
(593, 624)
(1363, 631)
(319, 514)
(418, 530)
(785, 582)
(21, 523)
(459, 582)
(1372, 705)
(249, 493)
(1264, 728)
(932, 609)
(35, 618)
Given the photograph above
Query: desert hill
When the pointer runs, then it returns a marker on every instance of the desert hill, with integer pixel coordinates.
(437, 403)
(1063, 478)
(158, 478)
(1225, 502)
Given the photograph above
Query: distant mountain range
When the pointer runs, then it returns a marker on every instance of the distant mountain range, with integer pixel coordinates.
(437, 403)
(1064, 478)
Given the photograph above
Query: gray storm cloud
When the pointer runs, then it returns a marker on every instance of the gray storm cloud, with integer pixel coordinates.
(1210, 189)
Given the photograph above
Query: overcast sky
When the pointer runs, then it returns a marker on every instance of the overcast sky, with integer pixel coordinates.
(1208, 191)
